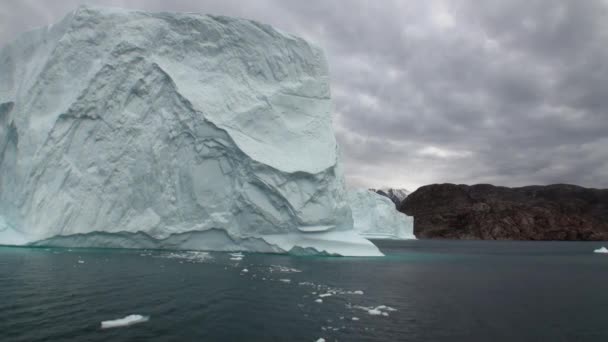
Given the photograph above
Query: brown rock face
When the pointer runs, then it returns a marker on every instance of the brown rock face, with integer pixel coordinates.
(483, 211)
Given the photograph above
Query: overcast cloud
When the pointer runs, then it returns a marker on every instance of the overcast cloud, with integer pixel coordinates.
(504, 92)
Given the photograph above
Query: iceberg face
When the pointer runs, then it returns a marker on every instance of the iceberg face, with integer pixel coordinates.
(164, 125)
(375, 216)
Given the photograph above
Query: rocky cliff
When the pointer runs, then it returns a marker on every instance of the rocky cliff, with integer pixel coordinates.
(483, 211)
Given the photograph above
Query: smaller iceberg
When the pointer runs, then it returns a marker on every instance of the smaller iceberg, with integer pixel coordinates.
(375, 216)
(602, 250)
(124, 322)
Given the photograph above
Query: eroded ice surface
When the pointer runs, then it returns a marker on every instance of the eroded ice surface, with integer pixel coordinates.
(375, 216)
(158, 130)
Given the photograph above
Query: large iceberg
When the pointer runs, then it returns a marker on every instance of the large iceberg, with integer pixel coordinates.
(375, 216)
(133, 129)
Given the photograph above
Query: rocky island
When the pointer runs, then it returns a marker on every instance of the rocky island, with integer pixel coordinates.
(483, 211)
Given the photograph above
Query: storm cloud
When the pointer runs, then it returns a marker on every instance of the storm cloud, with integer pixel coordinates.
(504, 92)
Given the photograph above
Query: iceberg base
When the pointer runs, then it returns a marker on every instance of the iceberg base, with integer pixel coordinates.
(338, 243)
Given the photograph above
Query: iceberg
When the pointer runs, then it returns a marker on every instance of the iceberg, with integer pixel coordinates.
(132, 129)
(375, 216)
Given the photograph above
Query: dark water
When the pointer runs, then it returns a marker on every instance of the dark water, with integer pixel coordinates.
(441, 290)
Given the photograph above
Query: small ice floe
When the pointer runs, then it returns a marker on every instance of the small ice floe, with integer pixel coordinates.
(286, 281)
(602, 250)
(387, 308)
(81, 261)
(236, 256)
(190, 256)
(374, 312)
(355, 318)
(323, 295)
(283, 269)
(307, 283)
(321, 339)
(319, 301)
(357, 292)
(124, 322)
(245, 270)
(381, 310)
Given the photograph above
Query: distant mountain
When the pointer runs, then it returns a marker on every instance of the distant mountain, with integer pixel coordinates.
(488, 212)
(395, 195)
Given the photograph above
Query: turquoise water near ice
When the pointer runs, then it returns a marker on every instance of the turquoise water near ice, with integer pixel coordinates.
(436, 291)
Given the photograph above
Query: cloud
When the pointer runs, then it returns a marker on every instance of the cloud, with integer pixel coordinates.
(506, 92)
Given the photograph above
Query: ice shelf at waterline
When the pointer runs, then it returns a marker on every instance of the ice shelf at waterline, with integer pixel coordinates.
(375, 216)
(173, 130)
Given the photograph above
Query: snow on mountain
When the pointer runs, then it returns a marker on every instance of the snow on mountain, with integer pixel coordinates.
(395, 195)
(375, 216)
(172, 130)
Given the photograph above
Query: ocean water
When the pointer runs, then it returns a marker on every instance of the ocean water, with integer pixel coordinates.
(422, 291)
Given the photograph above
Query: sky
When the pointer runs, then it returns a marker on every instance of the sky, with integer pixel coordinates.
(463, 91)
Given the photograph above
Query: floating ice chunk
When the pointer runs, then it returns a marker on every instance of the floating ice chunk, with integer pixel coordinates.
(323, 295)
(287, 281)
(245, 270)
(283, 269)
(189, 256)
(306, 283)
(124, 322)
(321, 339)
(81, 261)
(380, 310)
(319, 301)
(602, 250)
(355, 318)
(358, 292)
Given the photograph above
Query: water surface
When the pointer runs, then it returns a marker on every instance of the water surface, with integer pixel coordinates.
(439, 290)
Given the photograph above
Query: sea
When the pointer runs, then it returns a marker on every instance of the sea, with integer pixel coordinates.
(425, 290)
